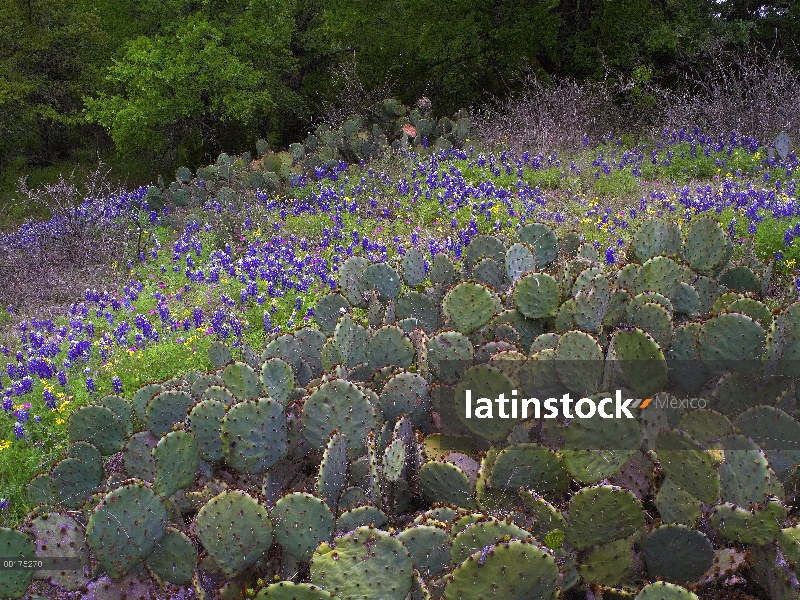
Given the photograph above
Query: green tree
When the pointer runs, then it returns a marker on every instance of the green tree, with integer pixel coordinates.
(211, 69)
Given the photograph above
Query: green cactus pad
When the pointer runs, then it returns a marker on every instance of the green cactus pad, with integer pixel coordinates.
(546, 341)
(483, 246)
(539, 377)
(60, 536)
(406, 393)
(351, 341)
(99, 426)
(641, 361)
(664, 591)
(142, 396)
(235, 530)
(686, 300)
(754, 309)
(515, 570)
(691, 467)
(287, 348)
(174, 558)
(706, 246)
(647, 297)
(445, 482)
(287, 590)
(328, 310)
(677, 553)
(449, 355)
(339, 405)
(277, 379)
(300, 523)
(777, 433)
(527, 329)
(491, 273)
(519, 260)
(350, 278)
(254, 435)
(608, 564)
(468, 306)
(542, 240)
(603, 514)
(167, 409)
(660, 274)
(591, 304)
(365, 564)
(389, 347)
(537, 295)
(429, 548)
(565, 317)
(749, 527)
(126, 527)
(74, 481)
(138, 458)
(332, 477)
(418, 306)
(655, 320)
(596, 448)
(485, 382)
(731, 338)
(219, 393)
(219, 354)
(413, 267)
(443, 271)
(546, 517)
(383, 278)
(531, 466)
(677, 506)
(617, 308)
(242, 381)
(477, 536)
(579, 362)
(205, 420)
(705, 426)
(177, 459)
(41, 491)
(744, 473)
(16, 545)
(121, 408)
(361, 516)
(741, 279)
(651, 239)
(789, 543)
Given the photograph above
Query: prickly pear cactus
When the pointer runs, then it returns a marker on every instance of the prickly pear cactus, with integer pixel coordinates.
(126, 527)
(365, 564)
(235, 530)
(514, 569)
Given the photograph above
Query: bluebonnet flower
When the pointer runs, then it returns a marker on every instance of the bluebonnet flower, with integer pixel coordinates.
(117, 384)
(90, 385)
(610, 259)
(49, 400)
(19, 430)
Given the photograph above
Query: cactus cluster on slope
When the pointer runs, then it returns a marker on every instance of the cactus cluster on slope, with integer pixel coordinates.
(338, 461)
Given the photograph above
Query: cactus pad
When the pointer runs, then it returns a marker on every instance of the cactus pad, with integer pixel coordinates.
(287, 590)
(332, 477)
(125, 527)
(235, 530)
(16, 545)
(254, 435)
(339, 405)
(603, 514)
(514, 570)
(138, 457)
(537, 295)
(174, 558)
(166, 409)
(99, 426)
(177, 459)
(664, 591)
(301, 522)
(219, 354)
(530, 466)
(365, 564)
(445, 482)
(328, 310)
(389, 347)
(205, 421)
(677, 553)
(690, 467)
(468, 306)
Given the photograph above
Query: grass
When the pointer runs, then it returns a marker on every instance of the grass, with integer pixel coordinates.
(586, 198)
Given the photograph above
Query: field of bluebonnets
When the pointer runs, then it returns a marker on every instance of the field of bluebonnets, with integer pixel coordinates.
(222, 263)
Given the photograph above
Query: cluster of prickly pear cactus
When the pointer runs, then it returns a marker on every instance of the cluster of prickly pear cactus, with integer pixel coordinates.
(340, 462)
